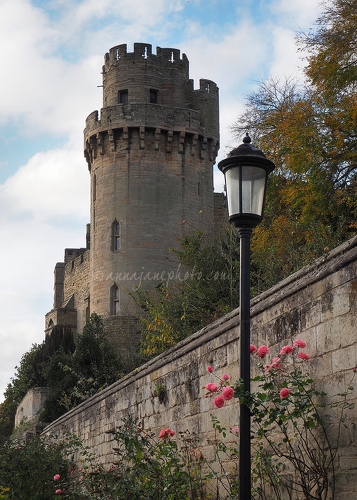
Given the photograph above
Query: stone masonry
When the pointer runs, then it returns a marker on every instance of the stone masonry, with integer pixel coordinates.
(317, 304)
(150, 154)
(30, 405)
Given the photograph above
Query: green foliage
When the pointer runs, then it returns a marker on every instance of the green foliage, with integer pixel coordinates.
(145, 468)
(93, 366)
(59, 382)
(26, 469)
(32, 372)
(28, 374)
(205, 288)
(224, 463)
(7, 417)
(332, 65)
(61, 338)
(72, 371)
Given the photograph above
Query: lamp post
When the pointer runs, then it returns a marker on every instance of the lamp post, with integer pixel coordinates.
(246, 171)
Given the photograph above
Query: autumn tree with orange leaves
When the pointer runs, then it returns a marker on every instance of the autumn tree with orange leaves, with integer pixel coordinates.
(310, 132)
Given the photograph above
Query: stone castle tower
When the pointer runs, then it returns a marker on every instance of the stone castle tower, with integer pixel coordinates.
(150, 155)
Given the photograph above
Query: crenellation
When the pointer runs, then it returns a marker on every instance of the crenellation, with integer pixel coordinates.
(142, 50)
(92, 118)
(208, 87)
(119, 55)
(167, 54)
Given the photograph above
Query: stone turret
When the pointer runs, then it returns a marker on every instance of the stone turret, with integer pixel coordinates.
(150, 155)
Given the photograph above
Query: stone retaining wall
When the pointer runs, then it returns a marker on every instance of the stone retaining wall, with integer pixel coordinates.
(317, 304)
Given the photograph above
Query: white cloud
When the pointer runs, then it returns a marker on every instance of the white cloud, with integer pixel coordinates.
(52, 184)
(286, 60)
(51, 59)
(43, 209)
(28, 253)
(299, 13)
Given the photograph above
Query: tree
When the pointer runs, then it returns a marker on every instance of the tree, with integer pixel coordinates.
(205, 288)
(31, 373)
(27, 469)
(310, 132)
(72, 371)
(28, 374)
(94, 365)
(332, 73)
(332, 66)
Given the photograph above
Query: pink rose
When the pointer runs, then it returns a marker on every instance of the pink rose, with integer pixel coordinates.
(58, 492)
(56, 477)
(284, 393)
(286, 349)
(303, 355)
(252, 348)
(276, 363)
(225, 377)
(227, 392)
(262, 351)
(211, 387)
(235, 430)
(209, 369)
(218, 401)
(164, 433)
(299, 343)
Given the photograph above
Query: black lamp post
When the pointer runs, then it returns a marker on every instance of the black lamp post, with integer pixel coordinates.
(246, 171)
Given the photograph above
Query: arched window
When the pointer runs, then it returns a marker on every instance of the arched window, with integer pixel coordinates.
(115, 236)
(114, 300)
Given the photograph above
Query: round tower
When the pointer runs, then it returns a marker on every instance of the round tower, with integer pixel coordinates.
(150, 155)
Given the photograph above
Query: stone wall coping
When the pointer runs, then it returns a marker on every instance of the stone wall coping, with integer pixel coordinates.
(335, 259)
(324, 266)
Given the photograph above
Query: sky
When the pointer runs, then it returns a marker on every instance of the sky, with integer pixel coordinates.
(51, 55)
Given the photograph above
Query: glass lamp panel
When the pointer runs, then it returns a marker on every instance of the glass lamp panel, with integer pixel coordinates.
(253, 187)
(232, 185)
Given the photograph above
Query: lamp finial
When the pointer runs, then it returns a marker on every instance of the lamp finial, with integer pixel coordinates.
(247, 139)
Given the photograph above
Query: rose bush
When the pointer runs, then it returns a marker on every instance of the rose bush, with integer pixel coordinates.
(292, 452)
(292, 455)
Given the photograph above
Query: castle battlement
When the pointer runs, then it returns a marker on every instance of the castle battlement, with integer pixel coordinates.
(148, 80)
(143, 52)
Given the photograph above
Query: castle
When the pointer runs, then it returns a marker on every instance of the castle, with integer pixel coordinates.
(150, 156)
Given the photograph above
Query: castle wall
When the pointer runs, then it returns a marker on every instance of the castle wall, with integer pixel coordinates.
(58, 285)
(30, 405)
(76, 285)
(317, 304)
(71, 287)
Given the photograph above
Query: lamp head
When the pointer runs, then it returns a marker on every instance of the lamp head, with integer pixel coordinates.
(246, 171)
